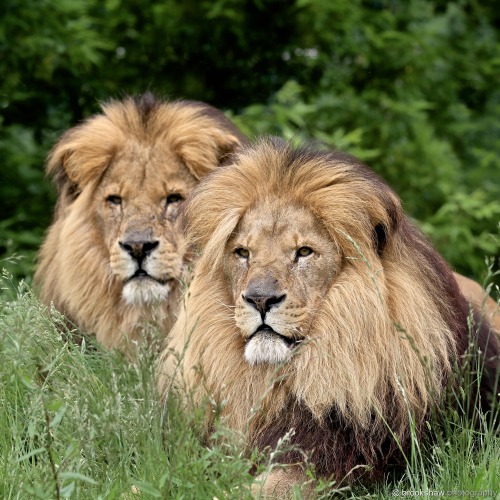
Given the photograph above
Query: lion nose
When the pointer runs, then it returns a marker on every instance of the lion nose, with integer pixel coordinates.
(138, 249)
(263, 303)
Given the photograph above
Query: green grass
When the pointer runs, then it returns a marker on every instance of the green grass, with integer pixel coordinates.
(80, 422)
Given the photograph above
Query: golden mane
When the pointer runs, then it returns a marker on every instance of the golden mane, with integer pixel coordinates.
(142, 149)
(382, 345)
(196, 132)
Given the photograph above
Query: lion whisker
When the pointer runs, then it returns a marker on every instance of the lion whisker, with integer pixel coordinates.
(225, 305)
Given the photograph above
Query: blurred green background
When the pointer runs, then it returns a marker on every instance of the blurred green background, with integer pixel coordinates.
(412, 87)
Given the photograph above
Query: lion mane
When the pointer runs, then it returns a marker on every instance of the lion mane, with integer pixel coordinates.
(112, 260)
(380, 344)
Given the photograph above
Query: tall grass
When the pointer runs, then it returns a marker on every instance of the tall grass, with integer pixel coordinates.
(81, 422)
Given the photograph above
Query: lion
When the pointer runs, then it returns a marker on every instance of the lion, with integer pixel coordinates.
(113, 260)
(480, 299)
(318, 314)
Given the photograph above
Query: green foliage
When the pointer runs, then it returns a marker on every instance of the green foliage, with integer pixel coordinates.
(88, 423)
(411, 87)
(45, 46)
(25, 198)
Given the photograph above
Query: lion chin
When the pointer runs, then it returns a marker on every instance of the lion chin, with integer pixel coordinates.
(113, 260)
(268, 346)
(320, 313)
(145, 292)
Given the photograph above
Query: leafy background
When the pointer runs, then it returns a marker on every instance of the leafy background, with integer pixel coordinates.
(409, 86)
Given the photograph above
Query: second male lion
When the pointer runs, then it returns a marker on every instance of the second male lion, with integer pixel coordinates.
(112, 259)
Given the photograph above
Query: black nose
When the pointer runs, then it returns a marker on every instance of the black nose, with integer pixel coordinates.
(263, 303)
(138, 249)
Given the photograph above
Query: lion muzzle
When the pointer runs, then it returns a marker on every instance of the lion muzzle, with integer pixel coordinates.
(263, 293)
(264, 296)
(144, 283)
(263, 303)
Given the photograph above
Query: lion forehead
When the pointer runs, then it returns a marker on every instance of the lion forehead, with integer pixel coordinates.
(278, 228)
(148, 168)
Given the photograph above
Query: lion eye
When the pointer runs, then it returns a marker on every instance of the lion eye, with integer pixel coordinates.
(304, 252)
(114, 199)
(174, 198)
(244, 253)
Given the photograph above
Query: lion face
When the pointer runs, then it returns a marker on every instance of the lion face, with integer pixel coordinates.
(136, 211)
(281, 262)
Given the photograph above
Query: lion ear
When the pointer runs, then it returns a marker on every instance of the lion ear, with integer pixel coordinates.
(78, 158)
(384, 230)
(208, 153)
(56, 167)
(67, 188)
(380, 238)
(202, 161)
(387, 221)
(209, 139)
(227, 146)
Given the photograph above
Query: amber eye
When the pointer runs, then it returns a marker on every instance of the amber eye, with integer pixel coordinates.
(114, 199)
(244, 253)
(174, 198)
(304, 252)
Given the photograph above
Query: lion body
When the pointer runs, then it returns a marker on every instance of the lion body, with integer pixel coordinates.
(113, 259)
(316, 309)
(480, 299)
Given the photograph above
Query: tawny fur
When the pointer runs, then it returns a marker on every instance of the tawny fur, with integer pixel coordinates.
(478, 297)
(377, 345)
(139, 152)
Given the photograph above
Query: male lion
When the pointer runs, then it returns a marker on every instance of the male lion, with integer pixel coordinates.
(112, 259)
(317, 309)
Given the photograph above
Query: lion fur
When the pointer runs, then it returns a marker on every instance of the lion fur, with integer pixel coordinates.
(187, 139)
(384, 342)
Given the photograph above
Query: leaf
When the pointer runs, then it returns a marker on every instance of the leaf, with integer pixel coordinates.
(67, 491)
(78, 477)
(58, 417)
(32, 453)
(148, 489)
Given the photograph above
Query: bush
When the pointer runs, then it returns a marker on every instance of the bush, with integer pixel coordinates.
(408, 86)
